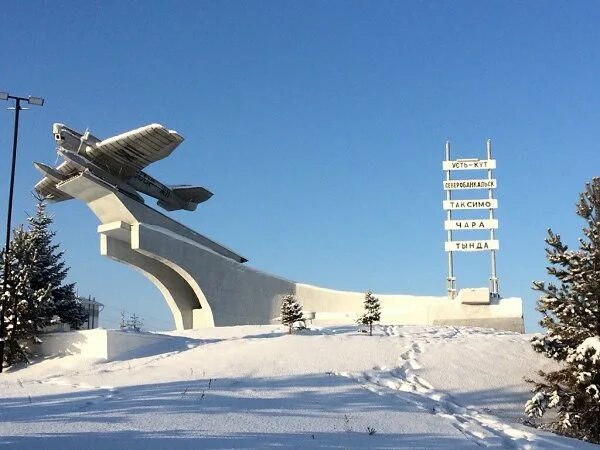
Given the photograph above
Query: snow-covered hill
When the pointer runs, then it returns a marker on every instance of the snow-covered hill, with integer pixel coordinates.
(409, 387)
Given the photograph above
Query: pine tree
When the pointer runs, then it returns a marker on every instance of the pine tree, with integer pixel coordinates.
(51, 269)
(26, 308)
(372, 311)
(291, 311)
(571, 317)
(134, 323)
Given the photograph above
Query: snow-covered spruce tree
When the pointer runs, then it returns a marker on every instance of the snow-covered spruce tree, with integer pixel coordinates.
(134, 323)
(571, 317)
(52, 270)
(26, 309)
(372, 311)
(291, 311)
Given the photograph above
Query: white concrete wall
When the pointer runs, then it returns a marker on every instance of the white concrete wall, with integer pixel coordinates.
(343, 307)
(88, 343)
(96, 344)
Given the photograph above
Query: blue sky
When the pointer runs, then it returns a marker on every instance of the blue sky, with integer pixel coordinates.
(320, 127)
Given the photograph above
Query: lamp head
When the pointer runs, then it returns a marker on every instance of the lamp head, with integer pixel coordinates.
(38, 101)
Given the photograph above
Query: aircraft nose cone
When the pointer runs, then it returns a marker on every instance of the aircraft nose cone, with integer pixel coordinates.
(39, 166)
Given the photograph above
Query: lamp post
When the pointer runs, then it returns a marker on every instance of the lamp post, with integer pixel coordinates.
(38, 101)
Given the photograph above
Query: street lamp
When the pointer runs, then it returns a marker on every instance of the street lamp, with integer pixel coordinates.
(38, 101)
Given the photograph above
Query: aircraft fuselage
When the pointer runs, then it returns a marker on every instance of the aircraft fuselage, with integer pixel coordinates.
(151, 186)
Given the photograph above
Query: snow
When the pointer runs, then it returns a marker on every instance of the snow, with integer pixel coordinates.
(593, 344)
(418, 387)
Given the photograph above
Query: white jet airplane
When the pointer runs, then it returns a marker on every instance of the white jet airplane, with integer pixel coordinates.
(119, 161)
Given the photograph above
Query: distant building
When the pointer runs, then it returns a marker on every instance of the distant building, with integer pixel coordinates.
(93, 308)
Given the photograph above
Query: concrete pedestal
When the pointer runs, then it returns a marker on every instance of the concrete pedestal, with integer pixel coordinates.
(206, 284)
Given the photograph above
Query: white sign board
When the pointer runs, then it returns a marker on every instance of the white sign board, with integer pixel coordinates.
(485, 203)
(469, 184)
(469, 164)
(472, 246)
(471, 224)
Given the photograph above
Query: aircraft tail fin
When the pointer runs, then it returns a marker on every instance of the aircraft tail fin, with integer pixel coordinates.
(193, 194)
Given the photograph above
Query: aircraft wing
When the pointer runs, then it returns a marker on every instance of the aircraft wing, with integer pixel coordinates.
(127, 154)
(46, 187)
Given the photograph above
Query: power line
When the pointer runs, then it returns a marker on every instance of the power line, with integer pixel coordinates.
(155, 319)
(150, 322)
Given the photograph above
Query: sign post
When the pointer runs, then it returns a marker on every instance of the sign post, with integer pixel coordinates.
(493, 278)
(489, 203)
(451, 280)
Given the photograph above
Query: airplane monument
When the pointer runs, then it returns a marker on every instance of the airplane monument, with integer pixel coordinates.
(119, 161)
(203, 282)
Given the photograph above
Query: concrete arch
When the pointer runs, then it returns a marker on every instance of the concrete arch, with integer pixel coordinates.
(203, 282)
(180, 297)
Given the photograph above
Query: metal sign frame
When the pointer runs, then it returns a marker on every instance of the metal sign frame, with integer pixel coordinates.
(491, 224)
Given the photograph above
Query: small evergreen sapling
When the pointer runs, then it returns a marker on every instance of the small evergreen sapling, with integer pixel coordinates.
(372, 311)
(291, 311)
(571, 317)
(134, 323)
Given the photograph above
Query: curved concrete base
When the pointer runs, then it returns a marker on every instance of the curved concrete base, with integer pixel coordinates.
(205, 284)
